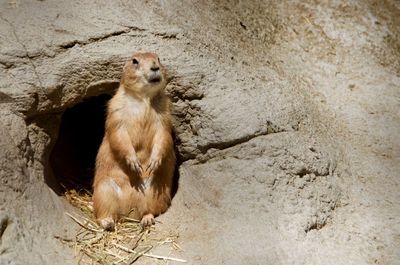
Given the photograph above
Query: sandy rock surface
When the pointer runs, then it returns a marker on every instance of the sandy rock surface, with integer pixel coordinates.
(287, 118)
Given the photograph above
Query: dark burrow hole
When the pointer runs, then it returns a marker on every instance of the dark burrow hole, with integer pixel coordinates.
(81, 131)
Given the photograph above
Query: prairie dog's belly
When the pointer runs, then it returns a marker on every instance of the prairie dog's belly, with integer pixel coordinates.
(143, 124)
(141, 133)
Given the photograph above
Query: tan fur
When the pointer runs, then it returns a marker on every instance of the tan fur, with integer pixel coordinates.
(135, 162)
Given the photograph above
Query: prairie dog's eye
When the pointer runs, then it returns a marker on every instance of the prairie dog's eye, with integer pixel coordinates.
(134, 61)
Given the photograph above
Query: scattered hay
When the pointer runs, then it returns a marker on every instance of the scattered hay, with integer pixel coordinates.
(125, 245)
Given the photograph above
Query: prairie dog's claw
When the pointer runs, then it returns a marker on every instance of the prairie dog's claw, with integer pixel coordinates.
(146, 183)
(153, 164)
(134, 164)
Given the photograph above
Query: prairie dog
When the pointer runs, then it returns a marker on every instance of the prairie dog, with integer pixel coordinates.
(135, 162)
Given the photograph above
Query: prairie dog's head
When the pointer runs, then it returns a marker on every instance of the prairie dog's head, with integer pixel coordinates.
(144, 74)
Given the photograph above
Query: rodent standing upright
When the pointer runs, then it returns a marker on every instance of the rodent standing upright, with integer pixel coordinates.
(135, 162)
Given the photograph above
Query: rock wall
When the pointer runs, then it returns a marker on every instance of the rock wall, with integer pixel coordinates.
(286, 119)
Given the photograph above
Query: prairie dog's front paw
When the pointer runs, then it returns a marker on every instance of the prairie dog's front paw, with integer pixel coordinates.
(154, 163)
(134, 164)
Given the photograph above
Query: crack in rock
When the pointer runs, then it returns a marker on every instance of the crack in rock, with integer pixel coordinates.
(205, 154)
(4, 222)
(71, 44)
(234, 142)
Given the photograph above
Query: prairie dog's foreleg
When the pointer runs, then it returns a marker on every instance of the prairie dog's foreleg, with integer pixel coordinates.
(120, 144)
(162, 143)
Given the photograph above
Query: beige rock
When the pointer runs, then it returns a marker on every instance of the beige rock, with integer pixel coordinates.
(286, 117)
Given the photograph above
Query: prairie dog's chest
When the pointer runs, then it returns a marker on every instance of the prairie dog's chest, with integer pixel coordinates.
(140, 116)
(136, 110)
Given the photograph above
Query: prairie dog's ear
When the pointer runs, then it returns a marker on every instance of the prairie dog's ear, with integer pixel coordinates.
(125, 65)
(124, 68)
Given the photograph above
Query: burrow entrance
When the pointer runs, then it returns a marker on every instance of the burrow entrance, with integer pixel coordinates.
(81, 131)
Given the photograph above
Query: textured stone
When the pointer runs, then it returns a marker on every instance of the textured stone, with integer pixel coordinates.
(286, 117)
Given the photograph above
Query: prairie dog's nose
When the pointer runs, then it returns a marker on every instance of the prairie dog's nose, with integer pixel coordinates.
(154, 68)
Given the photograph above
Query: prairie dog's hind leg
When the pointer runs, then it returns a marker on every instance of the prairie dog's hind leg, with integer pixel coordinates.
(107, 223)
(147, 220)
(106, 198)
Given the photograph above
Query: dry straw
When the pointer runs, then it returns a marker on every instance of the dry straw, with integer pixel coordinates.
(125, 245)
